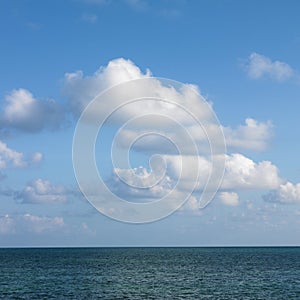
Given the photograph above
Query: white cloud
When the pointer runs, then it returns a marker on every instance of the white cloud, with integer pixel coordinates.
(158, 115)
(229, 198)
(243, 173)
(24, 112)
(286, 193)
(253, 135)
(42, 224)
(137, 184)
(259, 66)
(42, 191)
(37, 157)
(82, 89)
(9, 156)
(18, 224)
(12, 158)
(7, 224)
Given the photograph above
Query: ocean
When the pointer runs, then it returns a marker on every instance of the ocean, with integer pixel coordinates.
(150, 273)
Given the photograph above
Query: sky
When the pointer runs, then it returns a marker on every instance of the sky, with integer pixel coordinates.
(238, 60)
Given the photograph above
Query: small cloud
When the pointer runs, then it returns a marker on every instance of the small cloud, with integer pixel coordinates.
(36, 157)
(23, 112)
(14, 159)
(34, 26)
(259, 66)
(229, 198)
(7, 224)
(287, 193)
(42, 224)
(42, 191)
(90, 18)
(253, 135)
(10, 158)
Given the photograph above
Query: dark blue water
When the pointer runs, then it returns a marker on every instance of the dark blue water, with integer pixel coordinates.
(150, 273)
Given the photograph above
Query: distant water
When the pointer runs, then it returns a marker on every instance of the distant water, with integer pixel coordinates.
(150, 273)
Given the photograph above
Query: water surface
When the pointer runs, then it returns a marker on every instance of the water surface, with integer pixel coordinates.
(150, 273)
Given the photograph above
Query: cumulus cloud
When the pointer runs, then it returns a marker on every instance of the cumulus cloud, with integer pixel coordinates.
(10, 156)
(229, 198)
(259, 66)
(243, 173)
(286, 193)
(253, 135)
(42, 191)
(15, 159)
(137, 184)
(82, 89)
(22, 111)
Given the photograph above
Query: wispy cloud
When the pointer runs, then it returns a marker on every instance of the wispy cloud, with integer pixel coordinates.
(34, 25)
(90, 18)
(166, 9)
(16, 224)
(259, 66)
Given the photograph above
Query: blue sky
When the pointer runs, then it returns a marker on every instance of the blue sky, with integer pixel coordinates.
(242, 55)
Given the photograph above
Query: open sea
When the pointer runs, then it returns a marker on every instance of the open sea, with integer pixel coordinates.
(150, 273)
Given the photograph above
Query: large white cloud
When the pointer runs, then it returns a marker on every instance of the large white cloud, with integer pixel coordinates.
(253, 135)
(241, 172)
(80, 90)
(24, 112)
(259, 66)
